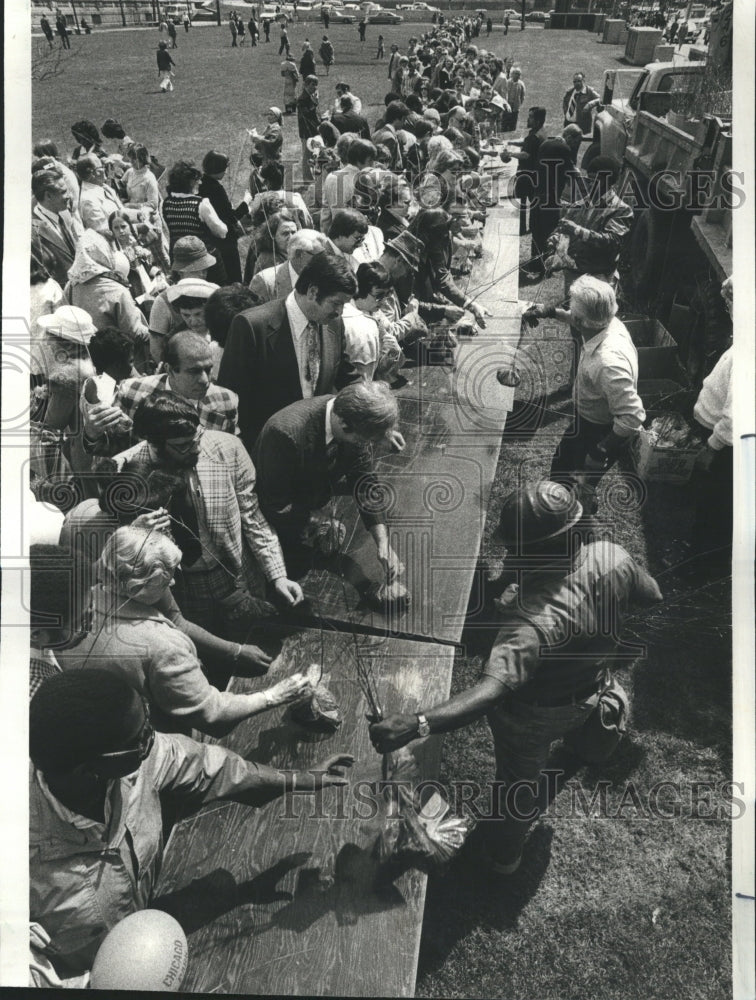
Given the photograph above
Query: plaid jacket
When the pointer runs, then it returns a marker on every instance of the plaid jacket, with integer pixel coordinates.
(233, 530)
(218, 411)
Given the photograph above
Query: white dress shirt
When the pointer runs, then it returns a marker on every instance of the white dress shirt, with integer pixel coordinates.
(328, 428)
(297, 324)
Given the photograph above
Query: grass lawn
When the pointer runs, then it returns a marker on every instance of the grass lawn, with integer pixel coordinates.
(615, 906)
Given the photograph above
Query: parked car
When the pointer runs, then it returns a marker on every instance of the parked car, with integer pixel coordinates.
(384, 17)
(514, 15)
(270, 13)
(537, 16)
(419, 6)
(339, 15)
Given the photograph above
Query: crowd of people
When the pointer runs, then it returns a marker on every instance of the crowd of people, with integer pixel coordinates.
(195, 409)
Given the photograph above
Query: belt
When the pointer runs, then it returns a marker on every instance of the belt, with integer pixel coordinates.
(536, 699)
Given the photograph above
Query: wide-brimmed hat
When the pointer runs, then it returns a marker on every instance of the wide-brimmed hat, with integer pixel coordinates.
(537, 513)
(408, 247)
(190, 254)
(69, 323)
(194, 288)
(214, 163)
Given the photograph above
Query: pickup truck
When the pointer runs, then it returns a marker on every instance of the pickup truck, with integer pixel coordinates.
(676, 173)
(628, 91)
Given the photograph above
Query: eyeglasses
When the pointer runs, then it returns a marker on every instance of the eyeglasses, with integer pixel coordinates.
(184, 445)
(146, 741)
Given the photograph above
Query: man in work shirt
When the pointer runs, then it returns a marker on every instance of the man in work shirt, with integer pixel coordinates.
(609, 412)
(548, 671)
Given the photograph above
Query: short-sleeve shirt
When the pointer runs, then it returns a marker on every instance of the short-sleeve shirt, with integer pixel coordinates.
(164, 319)
(564, 629)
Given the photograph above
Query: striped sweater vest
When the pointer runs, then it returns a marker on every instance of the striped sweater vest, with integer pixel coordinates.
(182, 218)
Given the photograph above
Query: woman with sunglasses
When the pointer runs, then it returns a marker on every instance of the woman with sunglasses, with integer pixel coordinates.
(95, 826)
(130, 637)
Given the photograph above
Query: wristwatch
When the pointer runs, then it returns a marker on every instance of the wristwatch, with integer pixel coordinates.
(423, 726)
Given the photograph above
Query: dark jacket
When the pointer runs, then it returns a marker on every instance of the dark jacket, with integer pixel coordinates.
(216, 194)
(308, 118)
(260, 365)
(294, 477)
(555, 166)
(228, 248)
(348, 121)
(307, 64)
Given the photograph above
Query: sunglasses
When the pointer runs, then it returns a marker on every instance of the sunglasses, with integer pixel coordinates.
(146, 740)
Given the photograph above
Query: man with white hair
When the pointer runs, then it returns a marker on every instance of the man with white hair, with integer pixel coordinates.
(277, 282)
(609, 412)
(97, 201)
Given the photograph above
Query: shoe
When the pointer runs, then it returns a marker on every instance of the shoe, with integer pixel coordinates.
(499, 865)
(502, 868)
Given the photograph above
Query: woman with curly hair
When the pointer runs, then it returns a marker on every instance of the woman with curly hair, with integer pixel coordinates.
(267, 204)
(272, 239)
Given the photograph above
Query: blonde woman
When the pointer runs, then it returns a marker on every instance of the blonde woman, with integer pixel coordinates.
(130, 637)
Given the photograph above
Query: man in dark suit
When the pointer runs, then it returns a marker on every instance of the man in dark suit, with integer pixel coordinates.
(349, 121)
(290, 349)
(53, 225)
(317, 448)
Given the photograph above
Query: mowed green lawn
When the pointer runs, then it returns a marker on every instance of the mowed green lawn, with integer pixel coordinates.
(220, 91)
(619, 906)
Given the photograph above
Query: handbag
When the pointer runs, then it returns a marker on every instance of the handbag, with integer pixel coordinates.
(600, 735)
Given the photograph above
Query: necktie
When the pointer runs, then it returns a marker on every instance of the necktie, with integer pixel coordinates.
(185, 526)
(332, 456)
(311, 351)
(572, 107)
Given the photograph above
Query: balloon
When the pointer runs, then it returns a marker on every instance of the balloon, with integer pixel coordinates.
(145, 951)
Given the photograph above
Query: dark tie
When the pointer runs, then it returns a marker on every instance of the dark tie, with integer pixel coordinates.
(184, 525)
(332, 456)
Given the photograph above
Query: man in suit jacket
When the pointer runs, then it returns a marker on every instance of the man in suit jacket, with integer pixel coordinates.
(292, 348)
(347, 120)
(316, 448)
(188, 360)
(229, 549)
(53, 225)
(277, 282)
